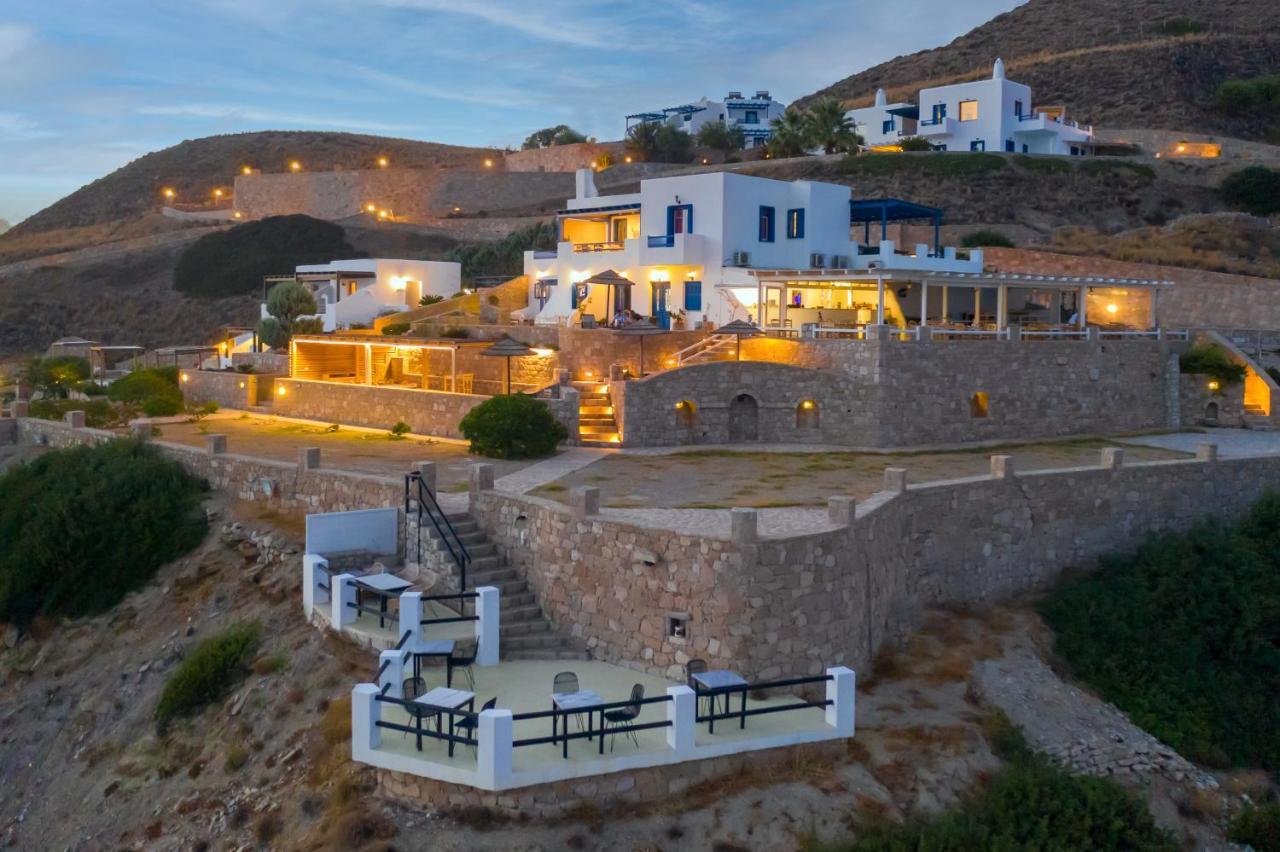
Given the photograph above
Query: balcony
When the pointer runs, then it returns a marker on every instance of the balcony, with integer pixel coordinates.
(944, 126)
(594, 248)
(672, 250)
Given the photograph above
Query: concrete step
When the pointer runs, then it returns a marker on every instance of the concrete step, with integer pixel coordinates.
(483, 564)
(595, 411)
(548, 654)
(597, 429)
(494, 574)
(528, 630)
(541, 640)
(1260, 423)
(611, 441)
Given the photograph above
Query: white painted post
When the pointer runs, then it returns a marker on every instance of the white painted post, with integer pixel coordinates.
(924, 301)
(945, 310)
(487, 625)
(895, 480)
(842, 692)
(977, 306)
(1002, 306)
(366, 711)
(1112, 458)
(315, 570)
(1082, 304)
(494, 749)
(410, 617)
(393, 674)
(880, 295)
(1002, 467)
(1207, 452)
(744, 526)
(682, 713)
(342, 591)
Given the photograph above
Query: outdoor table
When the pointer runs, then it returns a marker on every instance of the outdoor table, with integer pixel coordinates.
(444, 698)
(565, 703)
(434, 648)
(724, 683)
(385, 586)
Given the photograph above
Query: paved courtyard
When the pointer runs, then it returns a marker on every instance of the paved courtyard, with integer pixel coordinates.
(1232, 443)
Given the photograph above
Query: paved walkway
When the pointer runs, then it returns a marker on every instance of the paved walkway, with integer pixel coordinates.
(1232, 443)
(528, 478)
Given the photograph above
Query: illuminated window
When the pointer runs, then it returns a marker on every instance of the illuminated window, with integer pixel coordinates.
(795, 224)
(766, 224)
(968, 110)
(807, 415)
(978, 404)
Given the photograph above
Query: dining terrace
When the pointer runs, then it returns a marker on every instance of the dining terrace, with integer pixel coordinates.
(522, 723)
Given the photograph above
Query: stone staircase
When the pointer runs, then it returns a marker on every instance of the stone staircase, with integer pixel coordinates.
(596, 424)
(1255, 417)
(526, 634)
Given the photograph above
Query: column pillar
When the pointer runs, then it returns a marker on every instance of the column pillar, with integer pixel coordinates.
(342, 591)
(945, 312)
(315, 571)
(410, 617)
(366, 711)
(487, 626)
(879, 300)
(493, 749)
(842, 692)
(977, 306)
(682, 712)
(924, 302)
(1002, 306)
(1082, 303)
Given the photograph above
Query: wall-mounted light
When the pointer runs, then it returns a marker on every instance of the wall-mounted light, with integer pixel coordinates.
(186, 377)
(587, 373)
(1112, 308)
(542, 352)
(1214, 385)
(680, 406)
(242, 386)
(488, 163)
(295, 166)
(383, 162)
(237, 215)
(807, 405)
(246, 170)
(168, 193)
(280, 390)
(371, 208)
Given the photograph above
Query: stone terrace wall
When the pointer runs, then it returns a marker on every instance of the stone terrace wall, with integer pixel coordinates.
(228, 389)
(262, 362)
(560, 158)
(280, 485)
(1199, 299)
(775, 606)
(426, 412)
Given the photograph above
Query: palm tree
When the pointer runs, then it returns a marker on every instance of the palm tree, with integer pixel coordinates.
(721, 137)
(642, 140)
(790, 135)
(830, 128)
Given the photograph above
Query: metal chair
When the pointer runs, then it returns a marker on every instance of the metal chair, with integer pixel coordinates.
(414, 687)
(566, 682)
(462, 661)
(691, 668)
(624, 716)
(467, 726)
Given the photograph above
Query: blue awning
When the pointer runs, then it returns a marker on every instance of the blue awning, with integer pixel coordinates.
(890, 209)
(907, 111)
(610, 209)
(648, 116)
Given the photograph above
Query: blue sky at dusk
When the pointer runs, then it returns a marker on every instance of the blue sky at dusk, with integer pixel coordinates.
(86, 85)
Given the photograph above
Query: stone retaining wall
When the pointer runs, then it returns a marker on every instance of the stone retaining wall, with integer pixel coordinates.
(764, 606)
(1195, 397)
(228, 389)
(262, 362)
(629, 787)
(426, 412)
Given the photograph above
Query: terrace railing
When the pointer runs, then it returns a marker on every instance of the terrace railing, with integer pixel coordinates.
(564, 738)
(587, 248)
(743, 713)
(417, 492)
(461, 598)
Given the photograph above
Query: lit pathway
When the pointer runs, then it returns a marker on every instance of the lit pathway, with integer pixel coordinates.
(1232, 443)
(528, 478)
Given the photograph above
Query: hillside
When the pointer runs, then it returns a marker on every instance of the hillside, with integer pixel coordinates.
(1123, 63)
(194, 168)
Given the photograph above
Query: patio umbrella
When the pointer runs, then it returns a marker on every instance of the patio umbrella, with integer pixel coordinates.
(641, 329)
(507, 348)
(739, 329)
(615, 283)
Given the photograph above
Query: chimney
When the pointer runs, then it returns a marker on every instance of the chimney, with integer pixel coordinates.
(584, 183)
(998, 72)
(882, 99)
(763, 94)
(735, 96)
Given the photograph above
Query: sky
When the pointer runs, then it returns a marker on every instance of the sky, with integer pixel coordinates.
(88, 85)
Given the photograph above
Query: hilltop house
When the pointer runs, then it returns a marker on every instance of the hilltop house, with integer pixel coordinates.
(714, 247)
(753, 115)
(352, 293)
(995, 114)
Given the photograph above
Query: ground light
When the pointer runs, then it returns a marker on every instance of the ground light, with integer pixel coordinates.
(246, 170)
(383, 162)
(295, 166)
(1214, 385)
(167, 193)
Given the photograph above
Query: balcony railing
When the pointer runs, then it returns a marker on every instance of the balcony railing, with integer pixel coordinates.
(662, 241)
(581, 248)
(544, 254)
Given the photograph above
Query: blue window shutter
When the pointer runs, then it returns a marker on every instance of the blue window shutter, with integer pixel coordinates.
(688, 218)
(766, 224)
(671, 218)
(795, 223)
(693, 295)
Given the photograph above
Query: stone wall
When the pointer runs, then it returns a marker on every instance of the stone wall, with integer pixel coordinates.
(769, 606)
(377, 407)
(262, 362)
(280, 485)
(890, 393)
(561, 158)
(1198, 299)
(1195, 397)
(227, 388)
(629, 787)
(8, 430)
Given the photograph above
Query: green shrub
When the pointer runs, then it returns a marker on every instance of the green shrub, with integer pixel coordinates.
(1107, 166)
(941, 164)
(202, 410)
(1255, 96)
(982, 238)
(206, 676)
(236, 758)
(1182, 636)
(98, 412)
(133, 511)
(1258, 827)
(915, 143)
(235, 261)
(504, 256)
(90, 388)
(395, 328)
(1043, 165)
(429, 300)
(162, 406)
(1181, 26)
(513, 426)
(400, 429)
(141, 385)
(55, 376)
(1255, 190)
(1212, 360)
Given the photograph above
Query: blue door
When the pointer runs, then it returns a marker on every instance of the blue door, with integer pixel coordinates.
(658, 306)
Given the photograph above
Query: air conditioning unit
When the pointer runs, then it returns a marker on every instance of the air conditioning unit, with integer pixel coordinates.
(817, 261)
(876, 264)
(839, 261)
(742, 258)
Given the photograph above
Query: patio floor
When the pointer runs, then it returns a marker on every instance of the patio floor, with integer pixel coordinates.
(525, 686)
(366, 629)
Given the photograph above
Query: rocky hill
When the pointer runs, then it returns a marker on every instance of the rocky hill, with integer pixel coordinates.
(1123, 63)
(195, 168)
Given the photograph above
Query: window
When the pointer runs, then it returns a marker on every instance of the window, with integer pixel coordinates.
(680, 219)
(887, 127)
(688, 116)
(795, 224)
(752, 117)
(968, 110)
(766, 224)
(978, 404)
(1008, 145)
(1017, 108)
(939, 113)
(693, 295)
(978, 145)
(807, 415)
(1025, 149)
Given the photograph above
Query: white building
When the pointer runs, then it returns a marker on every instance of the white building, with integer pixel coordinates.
(995, 114)
(753, 115)
(355, 292)
(695, 247)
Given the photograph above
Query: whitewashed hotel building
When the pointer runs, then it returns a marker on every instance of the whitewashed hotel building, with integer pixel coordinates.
(752, 115)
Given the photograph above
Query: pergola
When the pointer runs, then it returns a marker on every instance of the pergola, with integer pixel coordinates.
(366, 350)
(886, 210)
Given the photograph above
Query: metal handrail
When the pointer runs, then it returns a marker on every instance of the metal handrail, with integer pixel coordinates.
(427, 503)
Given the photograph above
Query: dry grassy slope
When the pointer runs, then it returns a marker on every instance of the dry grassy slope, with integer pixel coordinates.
(195, 167)
(1106, 60)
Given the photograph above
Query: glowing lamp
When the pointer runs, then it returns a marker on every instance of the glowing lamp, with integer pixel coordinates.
(1112, 308)
(488, 163)
(371, 207)
(1214, 385)
(280, 391)
(295, 166)
(542, 352)
(587, 373)
(186, 377)
(626, 159)
(242, 386)
(383, 162)
(168, 193)
(237, 215)
(807, 405)
(680, 405)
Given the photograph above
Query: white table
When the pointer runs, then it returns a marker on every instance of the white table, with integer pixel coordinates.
(445, 698)
(724, 683)
(433, 648)
(582, 701)
(385, 586)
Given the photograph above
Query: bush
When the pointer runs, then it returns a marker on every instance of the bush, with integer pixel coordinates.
(235, 261)
(141, 385)
(89, 388)
(1212, 360)
(1043, 165)
(203, 410)
(55, 376)
(1258, 827)
(505, 256)
(400, 429)
(1181, 27)
(395, 328)
(162, 406)
(1255, 190)
(1182, 637)
(942, 164)
(514, 426)
(98, 413)
(215, 666)
(133, 511)
(915, 143)
(429, 300)
(980, 239)
(1256, 96)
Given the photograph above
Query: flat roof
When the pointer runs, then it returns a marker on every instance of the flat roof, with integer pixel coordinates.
(606, 209)
(890, 210)
(390, 340)
(970, 279)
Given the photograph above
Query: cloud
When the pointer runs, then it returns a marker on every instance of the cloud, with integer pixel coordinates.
(14, 38)
(455, 91)
(234, 113)
(545, 23)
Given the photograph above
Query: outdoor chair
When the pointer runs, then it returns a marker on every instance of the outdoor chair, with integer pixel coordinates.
(463, 661)
(691, 668)
(624, 716)
(413, 687)
(466, 726)
(566, 682)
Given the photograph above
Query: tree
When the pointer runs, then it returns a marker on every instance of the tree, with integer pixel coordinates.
(830, 128)
(288, 303)
(915, 143)
(722, 137)
(55, 376)
(642, 140)
(674, 145)
(790, 135)
(1255, 189)
(561, 134)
